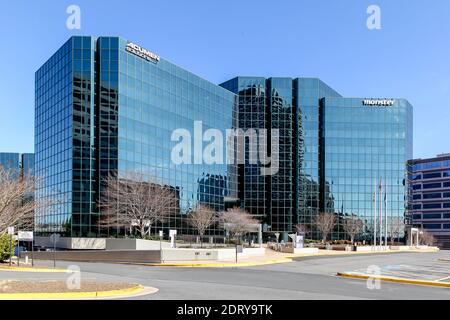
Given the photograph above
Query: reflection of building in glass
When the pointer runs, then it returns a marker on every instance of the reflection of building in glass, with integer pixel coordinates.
(332, 150)
(104, 105)
(101, 108)
(429, 197)
(212, 189)
(10, 161)
(23, 163)
(266, 104)
(361, 145)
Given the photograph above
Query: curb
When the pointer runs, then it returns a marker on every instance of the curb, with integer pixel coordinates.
(74, 295)
(350, 253)
(28, 269)
(217, 265)
(394, 279)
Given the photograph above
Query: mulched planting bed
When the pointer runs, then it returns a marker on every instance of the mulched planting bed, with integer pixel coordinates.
(58, 286)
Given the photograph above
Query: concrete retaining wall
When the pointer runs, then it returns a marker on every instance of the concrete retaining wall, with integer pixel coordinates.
(208, 254)
(72, 243)
(364, 248)
(101, 243)
(134, 244)
(136, 256)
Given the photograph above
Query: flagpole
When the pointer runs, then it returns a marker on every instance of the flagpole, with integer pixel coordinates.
(385, 217)
(375, 215)
(381, 214)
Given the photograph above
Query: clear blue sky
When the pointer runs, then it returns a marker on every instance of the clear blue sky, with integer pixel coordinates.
(409, 57)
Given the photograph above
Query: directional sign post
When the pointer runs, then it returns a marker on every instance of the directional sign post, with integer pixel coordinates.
(239, 249)
(27, 236)
(54, 238)
(11, 233)
(172, 234)
(161, 235)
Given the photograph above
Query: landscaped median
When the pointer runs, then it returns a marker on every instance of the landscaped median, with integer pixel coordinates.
(363, 276)
(58, 290)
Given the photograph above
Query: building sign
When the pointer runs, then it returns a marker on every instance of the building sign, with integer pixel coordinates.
(25, 235)
(379, 102)
(141, 52)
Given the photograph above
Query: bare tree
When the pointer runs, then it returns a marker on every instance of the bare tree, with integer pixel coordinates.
(325, 222)
(426, 238)
(17, 205)
(353, 226)
(238, 222)
(301, 228)
(131, 200)
(395, 226)
(201, 218)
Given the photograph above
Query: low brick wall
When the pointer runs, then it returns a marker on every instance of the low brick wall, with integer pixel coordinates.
(136, 256)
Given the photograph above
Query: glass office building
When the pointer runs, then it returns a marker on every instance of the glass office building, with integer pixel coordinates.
(333, 153)
(10, 161)
(429, 197)
(27, 164)
(361, 145)
(105, 105)
(21, 163)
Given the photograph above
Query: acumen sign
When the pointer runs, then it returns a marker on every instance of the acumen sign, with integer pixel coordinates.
(141, 52)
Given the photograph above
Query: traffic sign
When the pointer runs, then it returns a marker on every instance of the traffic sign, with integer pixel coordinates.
(55, 237)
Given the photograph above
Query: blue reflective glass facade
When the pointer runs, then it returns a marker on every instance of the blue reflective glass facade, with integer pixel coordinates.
(104, 105)
(101, 109)
(54, 137)
(265, 104)
(27, 164)
(362, 144)
(10, 161)
(22, 164)
(311, 194)
(429, 197)
(332, 152)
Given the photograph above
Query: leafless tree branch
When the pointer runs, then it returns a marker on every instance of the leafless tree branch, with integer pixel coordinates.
(325, 222)
(237, 222)
(132, 200)
(17, 203)
(201, 218)
(353, 226)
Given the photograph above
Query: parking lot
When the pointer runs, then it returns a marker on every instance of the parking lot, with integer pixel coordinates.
(436, 270)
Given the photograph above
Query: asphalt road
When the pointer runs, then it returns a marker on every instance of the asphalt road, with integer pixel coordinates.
(305, 278)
